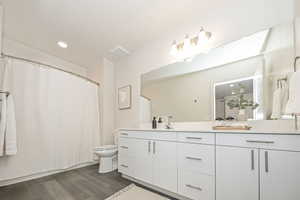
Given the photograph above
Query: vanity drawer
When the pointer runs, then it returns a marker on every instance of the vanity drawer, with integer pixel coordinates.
(200, 138)
(150, 135)
(125, 165)
(196, 186)
(264, 141)
(124, 146)
(197, 158)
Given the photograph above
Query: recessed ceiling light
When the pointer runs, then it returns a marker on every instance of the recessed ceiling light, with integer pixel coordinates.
(62, 44)
(231, 85)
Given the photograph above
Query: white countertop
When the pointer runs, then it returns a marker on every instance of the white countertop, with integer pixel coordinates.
(284, 127)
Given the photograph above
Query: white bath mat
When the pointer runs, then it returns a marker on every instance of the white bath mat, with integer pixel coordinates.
(133, 192)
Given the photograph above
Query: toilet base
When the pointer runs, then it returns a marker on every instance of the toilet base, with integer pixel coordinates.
(108, 164)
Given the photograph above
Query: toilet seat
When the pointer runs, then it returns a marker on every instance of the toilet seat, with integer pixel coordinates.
(106, 148)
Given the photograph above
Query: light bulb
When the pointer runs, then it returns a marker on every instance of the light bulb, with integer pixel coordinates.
(174, 50)
(201, 35)
(187, 42)
(203, 41)
(62, 44)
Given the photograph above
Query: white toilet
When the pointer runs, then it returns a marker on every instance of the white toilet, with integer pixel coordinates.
(108, 159)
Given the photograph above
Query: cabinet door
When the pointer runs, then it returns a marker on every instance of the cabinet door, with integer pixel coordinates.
(165, 165)
(237, 175)
(280, 177)
(142, 160)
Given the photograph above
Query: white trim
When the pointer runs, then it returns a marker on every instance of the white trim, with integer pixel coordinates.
(42, 174)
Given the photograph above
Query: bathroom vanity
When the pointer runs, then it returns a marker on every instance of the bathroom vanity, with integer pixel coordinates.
(196, 162)
(209, 165)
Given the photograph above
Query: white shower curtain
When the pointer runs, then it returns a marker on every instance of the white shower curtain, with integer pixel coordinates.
(57, 118)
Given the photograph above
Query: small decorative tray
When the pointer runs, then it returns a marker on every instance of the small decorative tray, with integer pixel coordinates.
(228, 128)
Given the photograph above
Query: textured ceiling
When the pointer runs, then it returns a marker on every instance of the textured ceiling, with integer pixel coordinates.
(93, 27)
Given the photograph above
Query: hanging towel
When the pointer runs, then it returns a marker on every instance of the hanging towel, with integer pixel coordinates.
(280, 99)
(3, 123)
(293, 105)
(10, 132)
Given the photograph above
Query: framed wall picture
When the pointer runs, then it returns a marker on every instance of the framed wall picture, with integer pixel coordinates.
(124, 97)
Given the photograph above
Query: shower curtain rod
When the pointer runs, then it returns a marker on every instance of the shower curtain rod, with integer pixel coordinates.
(50, 66)
(4, 92)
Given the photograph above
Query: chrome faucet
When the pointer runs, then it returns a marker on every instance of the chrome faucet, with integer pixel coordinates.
(168, 124)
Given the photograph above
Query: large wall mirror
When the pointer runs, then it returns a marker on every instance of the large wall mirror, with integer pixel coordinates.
(233, 81)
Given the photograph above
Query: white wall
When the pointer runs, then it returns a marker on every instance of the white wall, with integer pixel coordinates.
(105, 75)
(297, 8)
(156, 53)
(297, 27)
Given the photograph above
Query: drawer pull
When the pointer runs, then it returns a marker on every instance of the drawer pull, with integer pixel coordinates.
(193, 158)
(194, 138)
(260, 141)
(149, 146)
(125, 166)
(193, 187)
(266, 161)
(252, 160)
(124, 147)
(124, 134)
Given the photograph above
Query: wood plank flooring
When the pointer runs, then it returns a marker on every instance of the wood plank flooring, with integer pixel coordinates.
(79, 184)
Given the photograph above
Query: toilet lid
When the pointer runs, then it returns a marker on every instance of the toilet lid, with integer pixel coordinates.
(106, 147)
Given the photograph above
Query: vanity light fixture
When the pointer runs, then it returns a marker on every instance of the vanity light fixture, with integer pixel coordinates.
(62, 44)
(191, 46)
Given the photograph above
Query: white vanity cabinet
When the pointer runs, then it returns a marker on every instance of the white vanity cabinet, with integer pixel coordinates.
(149, 159)
(213, 166)
(253, 166)
(165, 165)
(237, 173)
(280, 177)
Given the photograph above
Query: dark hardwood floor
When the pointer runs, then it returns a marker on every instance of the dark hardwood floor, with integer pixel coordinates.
(79, 184)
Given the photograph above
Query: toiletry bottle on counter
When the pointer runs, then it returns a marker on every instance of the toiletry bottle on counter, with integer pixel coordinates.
(154, 123)
(160, 124)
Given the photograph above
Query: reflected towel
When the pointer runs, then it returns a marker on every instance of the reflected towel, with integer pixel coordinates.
(3, 122)
(293, 105)
(10, 132)
(280, 99)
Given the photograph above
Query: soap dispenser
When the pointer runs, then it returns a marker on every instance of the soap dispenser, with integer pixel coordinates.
(154, 123)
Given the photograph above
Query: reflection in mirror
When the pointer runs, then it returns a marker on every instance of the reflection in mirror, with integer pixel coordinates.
(188, 90)
(235, 100)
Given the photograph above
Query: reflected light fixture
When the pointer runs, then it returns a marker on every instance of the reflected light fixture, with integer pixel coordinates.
(62, 44)
(191, 46)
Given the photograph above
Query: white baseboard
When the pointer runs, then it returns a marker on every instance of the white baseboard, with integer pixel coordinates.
(42, 174)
